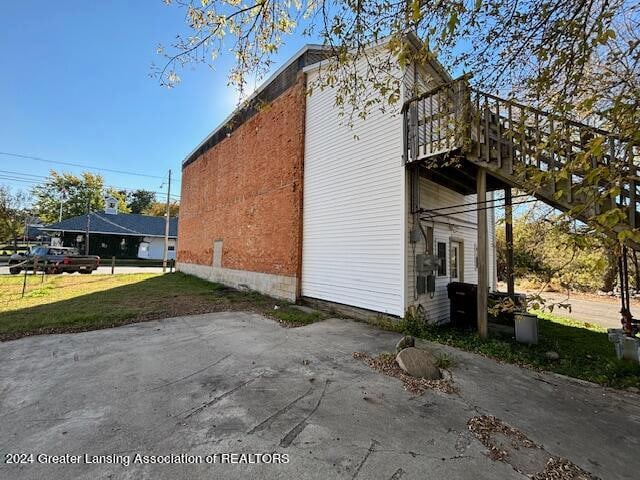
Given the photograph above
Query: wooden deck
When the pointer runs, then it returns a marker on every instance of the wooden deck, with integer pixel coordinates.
(454, 129)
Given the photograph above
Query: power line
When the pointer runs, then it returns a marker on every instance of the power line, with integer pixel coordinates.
(35, 182)
(8, 174)
(38, 179)
(471, 204)
(448, 214)
(22, 174)
(39, 159)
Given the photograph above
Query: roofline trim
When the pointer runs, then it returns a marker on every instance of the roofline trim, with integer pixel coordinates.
(107, 233)
(415, 43)
(256, 92)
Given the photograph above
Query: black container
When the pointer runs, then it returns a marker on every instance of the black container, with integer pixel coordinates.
(463, 304)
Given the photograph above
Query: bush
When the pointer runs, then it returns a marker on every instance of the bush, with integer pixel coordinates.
(415, 322)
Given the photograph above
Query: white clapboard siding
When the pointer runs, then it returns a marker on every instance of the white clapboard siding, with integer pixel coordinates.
(459, 227)
(353, 237)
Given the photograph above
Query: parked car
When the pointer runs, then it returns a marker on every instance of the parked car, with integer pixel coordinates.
(53, 260)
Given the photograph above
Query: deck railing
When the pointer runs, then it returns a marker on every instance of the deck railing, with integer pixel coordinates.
(454, 119)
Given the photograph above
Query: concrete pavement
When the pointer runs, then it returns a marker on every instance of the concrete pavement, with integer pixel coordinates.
(603, 311)
(241, 383)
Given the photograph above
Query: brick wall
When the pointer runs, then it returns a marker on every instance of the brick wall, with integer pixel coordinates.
(247, 192)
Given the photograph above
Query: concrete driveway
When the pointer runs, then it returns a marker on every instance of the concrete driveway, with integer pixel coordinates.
(240, 383)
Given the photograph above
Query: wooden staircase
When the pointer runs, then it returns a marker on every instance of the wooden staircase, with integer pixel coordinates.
(591, 173)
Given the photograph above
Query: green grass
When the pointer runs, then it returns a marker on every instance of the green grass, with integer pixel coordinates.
(294, 316)
(70, 303)
(585, 350)
(445, 361)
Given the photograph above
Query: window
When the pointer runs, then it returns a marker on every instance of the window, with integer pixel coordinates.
(454, 262)
(442, 259)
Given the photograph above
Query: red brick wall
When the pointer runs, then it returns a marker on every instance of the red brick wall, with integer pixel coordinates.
(247, 191)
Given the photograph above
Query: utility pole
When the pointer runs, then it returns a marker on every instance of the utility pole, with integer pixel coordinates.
(166, 226)
(25, 237)
(63, 196)
(508, 236)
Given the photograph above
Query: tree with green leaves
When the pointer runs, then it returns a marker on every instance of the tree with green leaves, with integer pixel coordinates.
(574, 59)
(140, 200)
(549, 250)
(159, 209)
(13, 215)
(76, 195)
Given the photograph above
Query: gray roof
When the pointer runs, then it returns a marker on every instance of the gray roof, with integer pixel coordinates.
(120, 224)
(35, 230)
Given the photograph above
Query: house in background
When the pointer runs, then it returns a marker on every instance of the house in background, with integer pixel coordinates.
(123, 235)
(285, 200)
(34, 232)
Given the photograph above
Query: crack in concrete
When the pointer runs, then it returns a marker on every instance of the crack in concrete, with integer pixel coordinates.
(197, 410)
(510, 445)
(295, 431)
(12, 412)
(193, 374)
(366, 457)
(397, 474)
(269, 420)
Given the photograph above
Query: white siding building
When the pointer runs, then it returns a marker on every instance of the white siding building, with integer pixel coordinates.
(356, 245)
(353, 222)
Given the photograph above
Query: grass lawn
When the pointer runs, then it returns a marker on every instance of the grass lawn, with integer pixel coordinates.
(71, 303)
(584, 349)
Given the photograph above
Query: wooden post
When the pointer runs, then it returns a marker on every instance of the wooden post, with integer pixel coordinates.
(167, 220)
(113, 264)
(88, 228)
(24, 282)
(508, 235)
(483, 286)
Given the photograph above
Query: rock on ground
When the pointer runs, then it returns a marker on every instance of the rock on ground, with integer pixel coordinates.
(405, 342)
(418, 363)
(551, 355)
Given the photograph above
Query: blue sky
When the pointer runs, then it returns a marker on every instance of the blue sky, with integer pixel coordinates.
(75, 87)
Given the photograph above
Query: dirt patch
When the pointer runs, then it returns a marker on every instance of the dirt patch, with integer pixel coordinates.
(510, 445)
(386, 363)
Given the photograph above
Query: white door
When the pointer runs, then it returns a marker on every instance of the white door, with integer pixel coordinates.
(455, 266)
